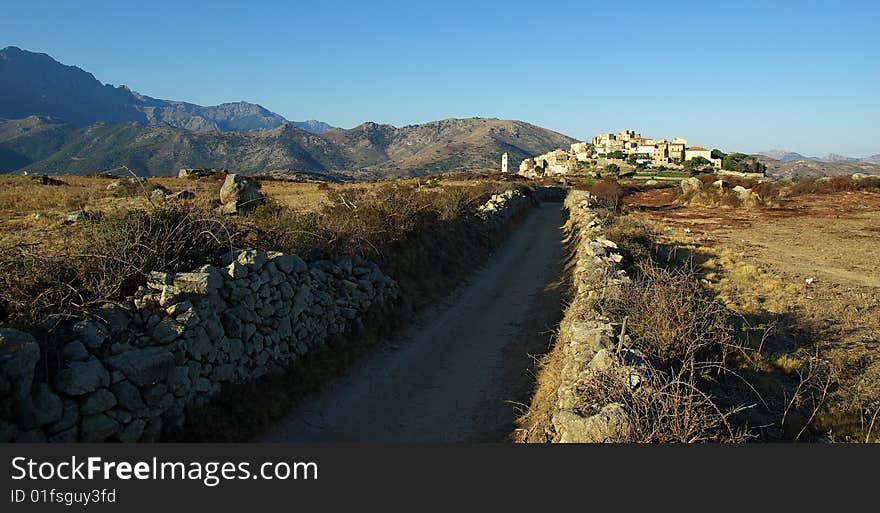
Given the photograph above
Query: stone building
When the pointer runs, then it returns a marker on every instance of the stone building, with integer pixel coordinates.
(504, 162)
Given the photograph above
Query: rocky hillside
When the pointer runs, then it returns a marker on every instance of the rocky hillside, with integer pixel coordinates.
(36, 84)
(41, 144)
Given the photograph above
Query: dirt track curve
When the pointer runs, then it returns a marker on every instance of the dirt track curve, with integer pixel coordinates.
(456, 373)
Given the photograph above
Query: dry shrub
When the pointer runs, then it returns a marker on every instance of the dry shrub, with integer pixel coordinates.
(686, 338)
(609, 194)
(833, 185)
(129, 244)
(671, 318)
(372, 222)
(110, 261)
(665, 407)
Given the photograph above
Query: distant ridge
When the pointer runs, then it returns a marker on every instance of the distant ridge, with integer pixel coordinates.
(36, 84)
(790, 156)
(370, 150)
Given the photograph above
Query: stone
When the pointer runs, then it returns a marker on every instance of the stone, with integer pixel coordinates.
(143, 366)
(232, 325)
(204, 281)
(223, 373)
(69, 417)
(19, 354)
(128, 396)
(75, 351)
(603, 361)
(80, 378)
(236, 270)
(91, 335)
(167, 330)
(97, 428)
(160, 193)
(252, 258)
(76, 216)
(7, 432)
(153, 395)
(43, 408)
(158, 280)
(33, 436)
(67, 436)
(178, 381)
(179, 308)
(691, 185)
(241, 193)
(180, 196)
(133, 431)
(99, 401)
(748, 197)
(152, 430)
(611, 424)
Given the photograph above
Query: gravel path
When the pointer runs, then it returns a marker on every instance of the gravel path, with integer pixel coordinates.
(456, 374)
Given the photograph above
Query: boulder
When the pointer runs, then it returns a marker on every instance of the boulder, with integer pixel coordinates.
(19, 354)
(611, 424)
(97, 428)
(239, 194)
(99, 401)
(43, 408)
(128, 396)
(747, 196)
(691, 185)
(80, 378)
(204, 281)
(92, 335)
(143, 366)
(74, 352)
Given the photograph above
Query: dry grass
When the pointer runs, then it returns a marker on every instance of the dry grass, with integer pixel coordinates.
(812, 349)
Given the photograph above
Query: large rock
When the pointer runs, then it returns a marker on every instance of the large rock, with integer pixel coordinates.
(611, 424)
(143, 366)
(690, 185)
(204, 281)
(80, 378)
(239, 194)
(128, 396)
(44, 408)
(747, 196)
(98, 402)
(19, 354)
(97, 428)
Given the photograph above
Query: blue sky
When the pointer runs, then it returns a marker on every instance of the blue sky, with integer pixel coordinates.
(743, 75)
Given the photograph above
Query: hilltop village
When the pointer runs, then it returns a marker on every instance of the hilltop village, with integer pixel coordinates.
(627, 152)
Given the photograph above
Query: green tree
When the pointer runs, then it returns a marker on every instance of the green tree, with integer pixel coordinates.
(617, 154)
(718, 154)
(697, 164)
(743, 163)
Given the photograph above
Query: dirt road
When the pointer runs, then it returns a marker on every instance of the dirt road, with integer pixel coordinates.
(457, 373)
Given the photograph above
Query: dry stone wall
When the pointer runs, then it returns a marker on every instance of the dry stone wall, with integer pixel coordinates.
(590, 342)
(135, 367)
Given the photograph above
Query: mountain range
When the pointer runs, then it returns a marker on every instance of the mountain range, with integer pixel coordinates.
(36, 84)
(790, 156)
(60, 119)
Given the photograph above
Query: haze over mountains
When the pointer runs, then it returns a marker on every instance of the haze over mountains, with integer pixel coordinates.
(789, 156)
(60, 119)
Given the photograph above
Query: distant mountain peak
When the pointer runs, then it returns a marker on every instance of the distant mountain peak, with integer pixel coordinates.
(36, 84)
